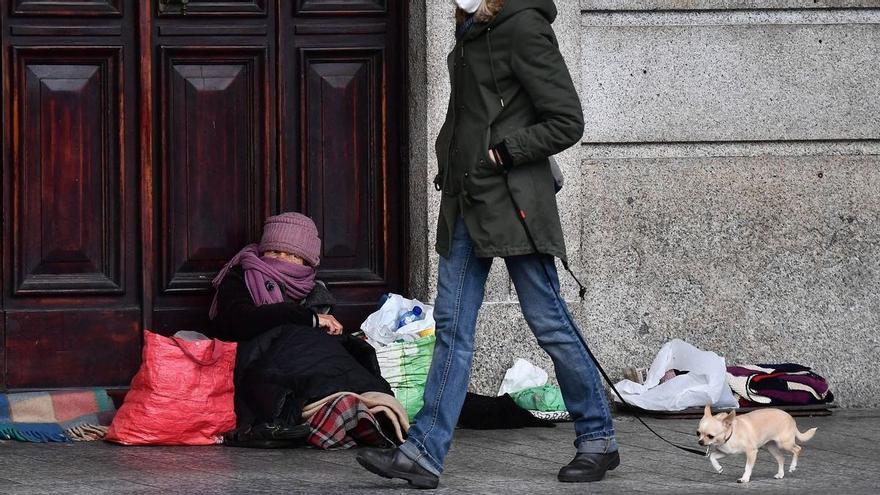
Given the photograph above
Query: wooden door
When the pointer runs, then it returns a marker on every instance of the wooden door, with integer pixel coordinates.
(143, 146)
(213, 121)
(71, 299)
(342, 125)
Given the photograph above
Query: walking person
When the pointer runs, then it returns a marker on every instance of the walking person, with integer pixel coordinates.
(512, 105)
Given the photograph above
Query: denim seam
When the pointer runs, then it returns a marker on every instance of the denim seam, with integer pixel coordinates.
(449, 358)
(423, 453)
(597, 382)
(609, 434)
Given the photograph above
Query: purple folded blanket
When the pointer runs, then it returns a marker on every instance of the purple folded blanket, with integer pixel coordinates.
(784, 384)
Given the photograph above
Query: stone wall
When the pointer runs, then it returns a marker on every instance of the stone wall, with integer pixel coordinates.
(726, 192)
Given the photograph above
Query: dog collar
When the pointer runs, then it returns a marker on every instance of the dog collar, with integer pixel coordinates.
(728, 436)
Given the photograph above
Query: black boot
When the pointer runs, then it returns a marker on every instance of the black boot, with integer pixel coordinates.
(588, 467)
(268, 436)
(392, 463)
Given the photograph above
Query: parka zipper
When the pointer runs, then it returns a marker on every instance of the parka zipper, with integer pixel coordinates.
(492, 65)
(456, 88)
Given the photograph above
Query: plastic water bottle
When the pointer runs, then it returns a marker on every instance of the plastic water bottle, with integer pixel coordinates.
(410, 316)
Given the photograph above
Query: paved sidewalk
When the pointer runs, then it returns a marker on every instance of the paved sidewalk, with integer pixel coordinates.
(843, 458)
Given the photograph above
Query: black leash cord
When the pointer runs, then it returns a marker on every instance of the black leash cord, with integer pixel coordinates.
(522, 220)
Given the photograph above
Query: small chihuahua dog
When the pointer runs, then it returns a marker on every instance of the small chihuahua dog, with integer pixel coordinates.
(727, 433)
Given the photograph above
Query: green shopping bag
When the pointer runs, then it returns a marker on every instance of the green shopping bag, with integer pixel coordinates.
(547, 398)
(405, 366)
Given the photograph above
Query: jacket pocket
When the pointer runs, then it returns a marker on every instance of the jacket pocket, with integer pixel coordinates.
(485, 166)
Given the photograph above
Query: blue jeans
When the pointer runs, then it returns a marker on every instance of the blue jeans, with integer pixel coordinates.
(460, 288)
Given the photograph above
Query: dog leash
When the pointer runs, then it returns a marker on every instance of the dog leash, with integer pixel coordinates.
(521, 214)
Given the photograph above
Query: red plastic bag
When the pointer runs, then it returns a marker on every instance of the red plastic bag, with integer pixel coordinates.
(182, 394)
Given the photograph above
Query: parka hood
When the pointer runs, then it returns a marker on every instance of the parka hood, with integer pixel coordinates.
(501, 10)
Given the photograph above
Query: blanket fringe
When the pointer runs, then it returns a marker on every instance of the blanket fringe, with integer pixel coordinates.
(86, 433)
(81, 433)
(31, 435)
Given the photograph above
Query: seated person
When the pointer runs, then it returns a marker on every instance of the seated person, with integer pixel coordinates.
(290, 353)
(266, 284)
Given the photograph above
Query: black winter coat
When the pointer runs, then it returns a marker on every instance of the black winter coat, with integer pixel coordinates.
(512, 92)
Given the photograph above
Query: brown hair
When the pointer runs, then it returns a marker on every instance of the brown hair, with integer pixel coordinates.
(487, 11)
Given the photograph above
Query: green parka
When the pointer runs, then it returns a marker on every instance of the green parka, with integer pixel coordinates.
(510, 89)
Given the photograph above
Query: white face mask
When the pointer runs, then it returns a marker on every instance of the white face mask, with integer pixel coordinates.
(469, 6)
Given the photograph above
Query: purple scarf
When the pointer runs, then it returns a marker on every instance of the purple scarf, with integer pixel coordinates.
(261, 274)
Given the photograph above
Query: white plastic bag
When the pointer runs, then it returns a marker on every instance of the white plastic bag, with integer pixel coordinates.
(705, 382)
(381, 326)
(522, 375)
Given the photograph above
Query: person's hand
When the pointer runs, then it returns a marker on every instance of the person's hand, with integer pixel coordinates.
(330, 324)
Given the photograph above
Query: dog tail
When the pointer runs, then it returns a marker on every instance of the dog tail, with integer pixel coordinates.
(805, 436)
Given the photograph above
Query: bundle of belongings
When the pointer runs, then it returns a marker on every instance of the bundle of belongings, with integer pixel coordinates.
(401, 331)
(525, 399)
(481, 412)
(56, 416)
(683, 377)
(787, 384)
(528, 385)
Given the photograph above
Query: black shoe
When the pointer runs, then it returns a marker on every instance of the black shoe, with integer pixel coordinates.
(268, 436)
(588, 467)
(392, 463)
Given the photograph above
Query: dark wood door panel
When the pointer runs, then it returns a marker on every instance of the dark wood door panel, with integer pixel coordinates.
(214, 127)
(344, 101)
(71, 305)
(343, 174)
(213, 8)
(340, 7)
(67, 165)
(67, 7)
(67, 351)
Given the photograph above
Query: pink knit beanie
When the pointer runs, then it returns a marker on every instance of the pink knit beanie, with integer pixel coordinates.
(292, 233)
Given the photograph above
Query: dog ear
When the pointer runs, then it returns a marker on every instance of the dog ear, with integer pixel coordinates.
(708, 410)
(728, 420)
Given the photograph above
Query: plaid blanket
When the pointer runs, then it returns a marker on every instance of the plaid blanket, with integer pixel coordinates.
(346, 422)
(60, 416)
